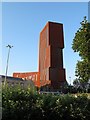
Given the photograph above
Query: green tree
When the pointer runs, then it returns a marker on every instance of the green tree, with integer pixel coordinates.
(81, 44)
(82, 71)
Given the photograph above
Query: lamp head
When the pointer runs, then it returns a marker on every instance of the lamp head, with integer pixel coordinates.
(9, 46)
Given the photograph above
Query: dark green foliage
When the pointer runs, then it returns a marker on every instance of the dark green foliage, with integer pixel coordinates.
(27, 104)
(81, 41)
(81, 44)
(83, 71)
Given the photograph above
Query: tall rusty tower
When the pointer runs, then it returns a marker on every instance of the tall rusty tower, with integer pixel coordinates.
(51, 46)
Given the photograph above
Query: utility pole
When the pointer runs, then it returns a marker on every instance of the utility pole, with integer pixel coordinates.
(9, 47)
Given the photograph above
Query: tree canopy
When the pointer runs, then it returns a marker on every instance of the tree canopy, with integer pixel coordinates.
(81, 44)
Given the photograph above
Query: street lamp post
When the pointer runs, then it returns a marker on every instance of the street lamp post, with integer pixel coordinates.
(70, 80)
(70, 84)
(9, 46)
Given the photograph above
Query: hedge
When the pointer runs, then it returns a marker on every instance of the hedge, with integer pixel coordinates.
(27, 104)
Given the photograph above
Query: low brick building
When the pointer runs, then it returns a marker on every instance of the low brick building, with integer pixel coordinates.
(33, 76)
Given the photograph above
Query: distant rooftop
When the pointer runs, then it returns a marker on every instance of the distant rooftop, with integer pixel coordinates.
(11, 78)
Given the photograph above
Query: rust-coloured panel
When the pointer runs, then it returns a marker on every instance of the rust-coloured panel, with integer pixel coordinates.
(56, 57)
(56, 35)
(34, 76)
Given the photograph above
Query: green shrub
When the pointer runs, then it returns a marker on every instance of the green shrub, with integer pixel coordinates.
(27, 104)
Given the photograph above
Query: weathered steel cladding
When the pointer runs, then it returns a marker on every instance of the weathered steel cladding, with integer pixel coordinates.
(34, 76)
(51, 54)
(56, 38)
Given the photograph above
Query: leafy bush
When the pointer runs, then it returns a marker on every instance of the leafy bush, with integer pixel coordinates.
(27, 104)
